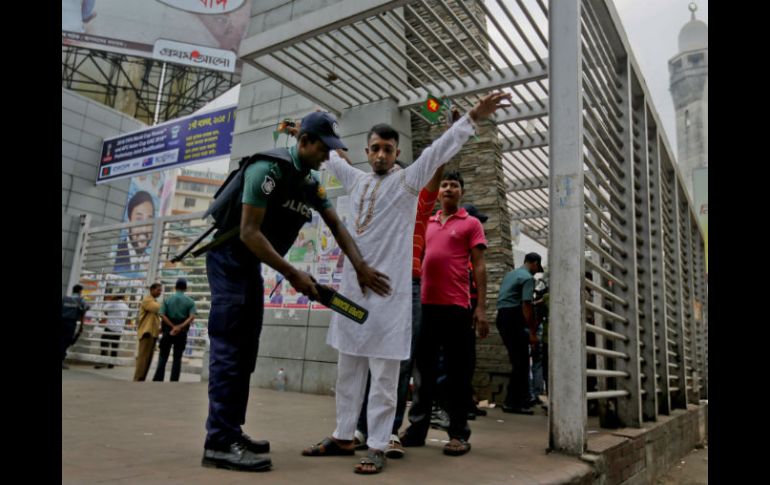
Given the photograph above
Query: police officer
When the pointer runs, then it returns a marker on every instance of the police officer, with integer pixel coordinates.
(271, 204)
(176, 313)
(72, 309)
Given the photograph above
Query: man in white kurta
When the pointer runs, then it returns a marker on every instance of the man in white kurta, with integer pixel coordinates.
(383, 208)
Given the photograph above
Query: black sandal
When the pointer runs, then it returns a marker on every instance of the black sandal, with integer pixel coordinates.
(328, 447)
(374, 457)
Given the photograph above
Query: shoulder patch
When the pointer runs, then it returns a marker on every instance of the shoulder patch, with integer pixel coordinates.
(268, 185)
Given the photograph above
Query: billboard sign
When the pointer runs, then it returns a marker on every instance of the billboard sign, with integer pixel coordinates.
(193, 139)
(200, 33)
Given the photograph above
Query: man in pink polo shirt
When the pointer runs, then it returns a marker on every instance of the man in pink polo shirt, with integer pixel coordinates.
(452, 238)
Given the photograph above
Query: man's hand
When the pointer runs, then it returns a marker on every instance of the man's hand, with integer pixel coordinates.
(480, 322)
(304, 283)
(371, 278)
(174, 330)
(293, 130)
(344, 155)
(488, 105)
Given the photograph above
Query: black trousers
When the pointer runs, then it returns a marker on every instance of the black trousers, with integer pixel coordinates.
(67, 334)
(115, 342)
(235, 325)
(515, 335)
(448, 327)
(179, 342)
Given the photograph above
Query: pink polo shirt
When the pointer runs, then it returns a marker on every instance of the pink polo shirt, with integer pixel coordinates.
(447, 253)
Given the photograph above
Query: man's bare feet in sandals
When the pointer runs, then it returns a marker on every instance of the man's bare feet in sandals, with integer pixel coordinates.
(330, 446)
(373, 463)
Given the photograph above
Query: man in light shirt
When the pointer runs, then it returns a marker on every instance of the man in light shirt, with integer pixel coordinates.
(384, 204)
(116, 314)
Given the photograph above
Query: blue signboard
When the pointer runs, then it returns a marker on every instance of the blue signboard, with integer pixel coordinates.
(192, 139)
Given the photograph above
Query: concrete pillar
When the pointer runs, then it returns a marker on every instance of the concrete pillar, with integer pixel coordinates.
(567, 417)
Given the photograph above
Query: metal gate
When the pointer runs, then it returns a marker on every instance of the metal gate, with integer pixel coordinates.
(125, 259)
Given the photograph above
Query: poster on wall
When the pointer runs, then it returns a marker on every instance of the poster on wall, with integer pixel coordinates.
(316, 252)
(330, 258)
(149, 197)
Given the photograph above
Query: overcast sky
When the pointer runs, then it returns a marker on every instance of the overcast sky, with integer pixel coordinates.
(652, 27)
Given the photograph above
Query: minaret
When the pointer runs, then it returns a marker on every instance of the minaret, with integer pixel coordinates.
(689, 90)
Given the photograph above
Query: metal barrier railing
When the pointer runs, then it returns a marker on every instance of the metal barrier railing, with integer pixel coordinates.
(617, 198)
(108, 264)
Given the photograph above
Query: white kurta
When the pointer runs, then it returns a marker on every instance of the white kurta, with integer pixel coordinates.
(385, 243)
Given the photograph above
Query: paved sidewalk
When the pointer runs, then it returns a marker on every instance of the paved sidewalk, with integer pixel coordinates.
(115, 431)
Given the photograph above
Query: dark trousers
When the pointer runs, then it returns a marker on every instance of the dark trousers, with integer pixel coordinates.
(515, 335)
(406, 369)
(235, 324)
(67, 334)
(179, 342)
(545, 366)
(448, 327)
(114, 341)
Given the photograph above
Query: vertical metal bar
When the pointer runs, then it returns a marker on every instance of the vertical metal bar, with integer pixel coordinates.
(160, 95)
(691, 323)
(703, 326)
(567, 416)
(597, 318)
(630, 407)
(657, 274)
(644, 248)
(157, 243)
(679, 399)
(77, 257)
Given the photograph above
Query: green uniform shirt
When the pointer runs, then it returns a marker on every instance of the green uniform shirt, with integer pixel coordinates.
(287, 192)
(517, 286)
(178, 307)
(263, 177)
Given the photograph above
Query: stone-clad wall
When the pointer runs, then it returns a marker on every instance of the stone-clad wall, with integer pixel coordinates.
(480, 163)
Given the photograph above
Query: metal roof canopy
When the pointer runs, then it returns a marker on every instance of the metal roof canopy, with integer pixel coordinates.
(357, 51)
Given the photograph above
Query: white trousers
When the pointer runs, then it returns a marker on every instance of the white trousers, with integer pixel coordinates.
(351, 385)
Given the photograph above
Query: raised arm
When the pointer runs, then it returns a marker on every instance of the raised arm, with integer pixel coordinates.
(447, 145)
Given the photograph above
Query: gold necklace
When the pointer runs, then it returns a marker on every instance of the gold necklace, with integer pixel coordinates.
(361, 226)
